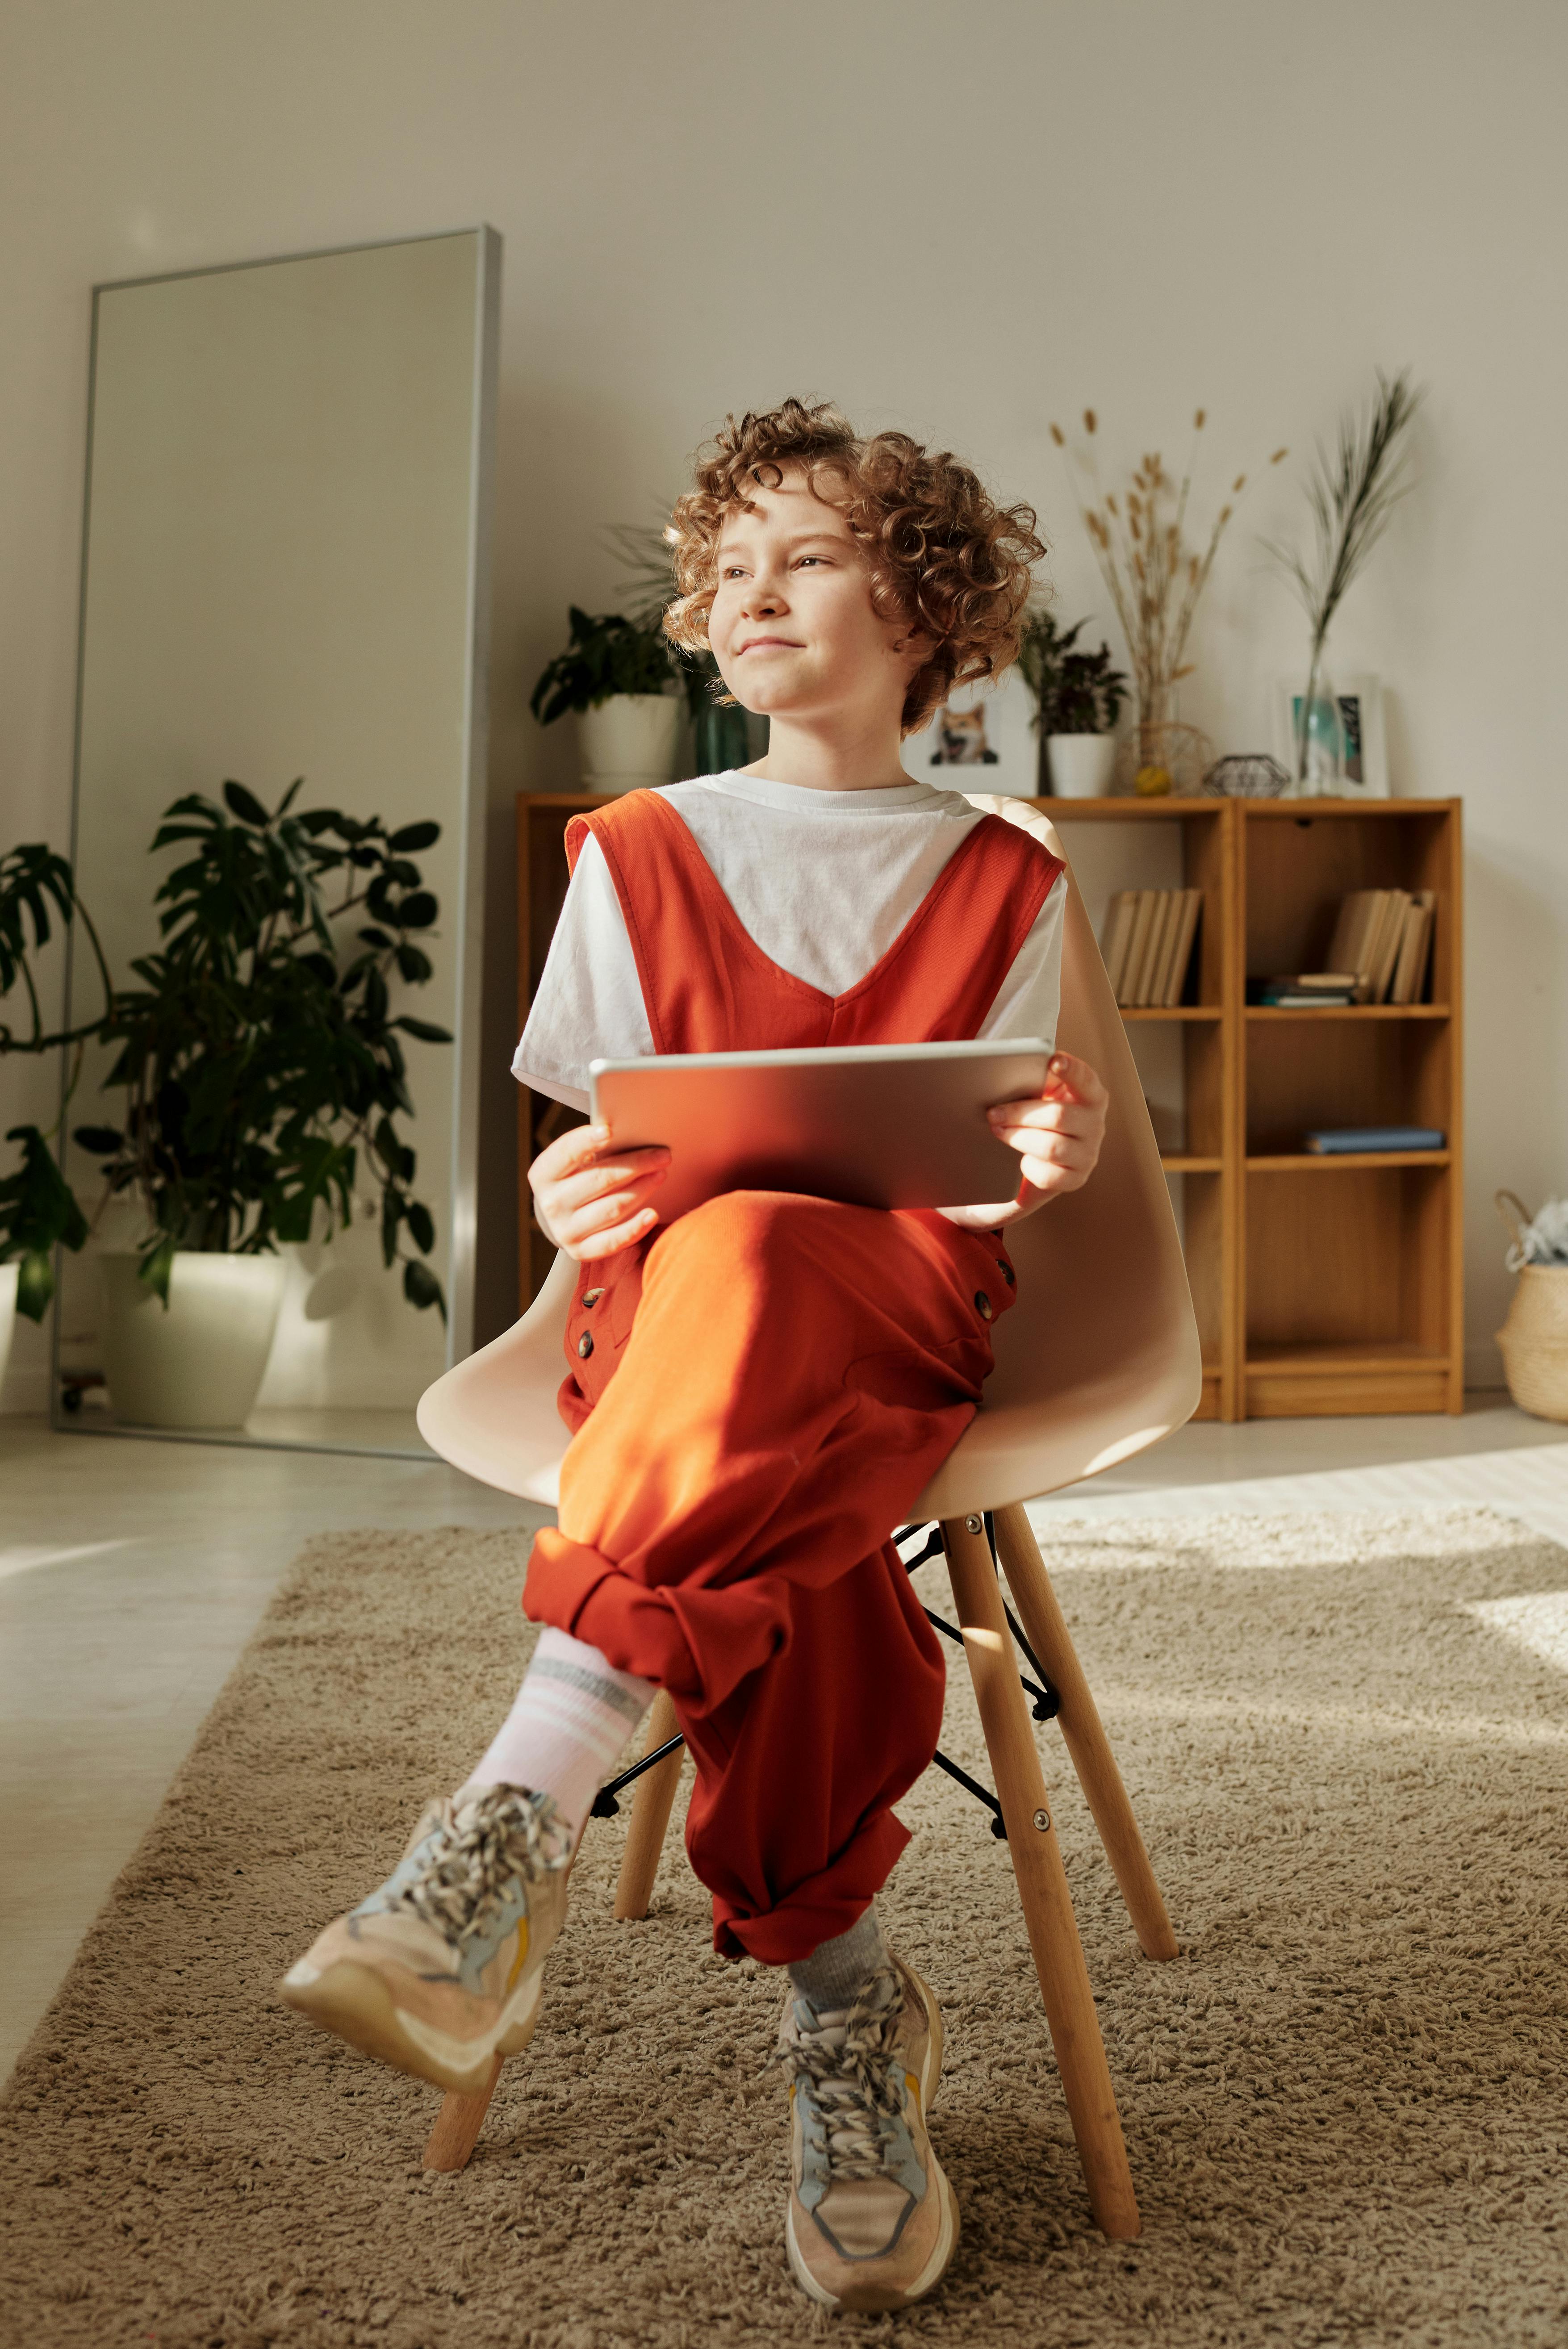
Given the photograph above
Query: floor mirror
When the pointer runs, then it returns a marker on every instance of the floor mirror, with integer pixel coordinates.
(285, 591)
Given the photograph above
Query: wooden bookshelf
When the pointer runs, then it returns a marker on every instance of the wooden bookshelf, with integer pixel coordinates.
(1321, 1283)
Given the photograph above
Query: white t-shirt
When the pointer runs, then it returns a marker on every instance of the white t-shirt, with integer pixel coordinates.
(822, 882)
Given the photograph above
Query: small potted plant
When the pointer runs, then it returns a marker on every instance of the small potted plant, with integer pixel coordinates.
(619, 679)
(262, 1071)
(1078, 700)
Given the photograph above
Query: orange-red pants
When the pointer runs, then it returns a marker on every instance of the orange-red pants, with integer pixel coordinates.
(771, 1382)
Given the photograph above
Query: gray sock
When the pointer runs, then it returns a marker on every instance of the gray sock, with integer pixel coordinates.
(837, 1971)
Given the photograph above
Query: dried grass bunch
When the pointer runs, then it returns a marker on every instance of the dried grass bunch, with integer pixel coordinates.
(1154, 577)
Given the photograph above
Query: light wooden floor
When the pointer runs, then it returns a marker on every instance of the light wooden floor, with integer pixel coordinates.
(132, 1573)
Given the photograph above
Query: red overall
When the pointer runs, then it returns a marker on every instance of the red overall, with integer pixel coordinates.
(759, 1391)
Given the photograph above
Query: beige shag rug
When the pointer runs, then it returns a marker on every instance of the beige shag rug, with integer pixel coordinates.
(1344, 2103)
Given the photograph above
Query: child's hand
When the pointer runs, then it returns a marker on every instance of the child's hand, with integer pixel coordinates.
(1057, 1137)
(591, 1198)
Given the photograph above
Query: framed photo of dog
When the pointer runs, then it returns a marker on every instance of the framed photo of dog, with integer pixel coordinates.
(982, 740)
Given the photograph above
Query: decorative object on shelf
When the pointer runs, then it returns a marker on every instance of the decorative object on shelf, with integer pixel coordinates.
(982, 738)
(1147, 944)
(1352, 496)
(1246, 775)
(1078, 700)
(1359, 739)
(1534, 1337)
(260, 1055)
(619, 679)
(1352, 1141)
(1156, 580)
(1158, 760)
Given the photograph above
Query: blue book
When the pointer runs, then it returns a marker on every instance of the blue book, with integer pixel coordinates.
(1332, 1138)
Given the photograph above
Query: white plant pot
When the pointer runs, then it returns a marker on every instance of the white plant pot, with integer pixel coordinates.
(1080, 765)
(629, 741)
(9, 1273)
(200, 1362)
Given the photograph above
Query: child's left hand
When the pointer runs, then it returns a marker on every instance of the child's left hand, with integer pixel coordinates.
(1058, 1138)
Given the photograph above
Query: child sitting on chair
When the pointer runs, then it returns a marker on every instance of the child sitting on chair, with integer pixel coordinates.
(758, 1392)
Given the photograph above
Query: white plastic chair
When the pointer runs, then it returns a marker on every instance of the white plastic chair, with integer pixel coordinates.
(1099, 1360)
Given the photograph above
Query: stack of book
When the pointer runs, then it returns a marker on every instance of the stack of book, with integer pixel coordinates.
(1148, 944)
(1305, 990)
(1384, 936)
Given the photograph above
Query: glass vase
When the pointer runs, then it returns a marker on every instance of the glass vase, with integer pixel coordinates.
(1317, 731)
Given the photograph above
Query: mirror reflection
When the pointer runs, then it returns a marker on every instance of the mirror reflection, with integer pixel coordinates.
(273, 994)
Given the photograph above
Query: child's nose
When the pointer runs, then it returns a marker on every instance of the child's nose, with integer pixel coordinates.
(767, 597)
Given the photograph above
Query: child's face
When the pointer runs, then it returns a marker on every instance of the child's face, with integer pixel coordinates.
(793, 626)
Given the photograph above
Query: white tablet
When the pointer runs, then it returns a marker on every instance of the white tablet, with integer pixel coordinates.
(879, 1125)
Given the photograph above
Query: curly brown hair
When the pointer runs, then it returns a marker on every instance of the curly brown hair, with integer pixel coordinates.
(942, 554)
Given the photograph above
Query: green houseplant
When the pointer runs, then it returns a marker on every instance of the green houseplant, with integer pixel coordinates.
(720, 730)
(616, 675)
(1078, 698)
(262, 1065)
(38, 1210)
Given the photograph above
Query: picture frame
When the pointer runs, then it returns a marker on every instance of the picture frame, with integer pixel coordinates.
(1360, 701)
(983, 739)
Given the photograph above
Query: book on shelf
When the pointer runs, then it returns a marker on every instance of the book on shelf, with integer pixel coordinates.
(1334, 1141)
(1303, 990)
(1385, 938)
(1147, 944)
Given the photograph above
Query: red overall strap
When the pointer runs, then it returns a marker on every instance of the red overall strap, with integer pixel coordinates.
(709, 987)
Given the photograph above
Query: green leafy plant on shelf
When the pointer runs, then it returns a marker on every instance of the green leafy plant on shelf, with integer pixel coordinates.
(606, 653)
(262, 1063)
(1074, 692)
(721, 739)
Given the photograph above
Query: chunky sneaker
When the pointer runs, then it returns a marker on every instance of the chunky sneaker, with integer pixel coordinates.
(439, 1970)
(871, 2220)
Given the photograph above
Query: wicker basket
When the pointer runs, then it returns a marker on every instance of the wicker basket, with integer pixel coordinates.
(1534, 1337)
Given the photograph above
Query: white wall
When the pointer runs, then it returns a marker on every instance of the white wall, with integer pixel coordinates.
(965, 219)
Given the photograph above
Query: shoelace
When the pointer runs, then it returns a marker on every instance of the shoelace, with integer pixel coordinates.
(850, 2066)
(475, 1851)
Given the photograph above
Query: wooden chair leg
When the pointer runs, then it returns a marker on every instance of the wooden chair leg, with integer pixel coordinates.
(651, 1808)
(458, 2124)
(1080, 1726)
(1041, 1882)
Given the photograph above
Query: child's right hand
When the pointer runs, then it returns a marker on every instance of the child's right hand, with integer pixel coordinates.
(591, 1198)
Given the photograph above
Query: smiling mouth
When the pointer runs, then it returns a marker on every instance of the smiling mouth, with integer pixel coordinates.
(773, 645)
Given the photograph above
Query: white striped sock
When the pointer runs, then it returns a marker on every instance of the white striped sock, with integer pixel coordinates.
(573, 1714)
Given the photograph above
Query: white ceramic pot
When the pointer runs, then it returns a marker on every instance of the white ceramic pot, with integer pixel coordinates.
(1080, 765)
(629, 741)
(200, 1362)
(9, 1273)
